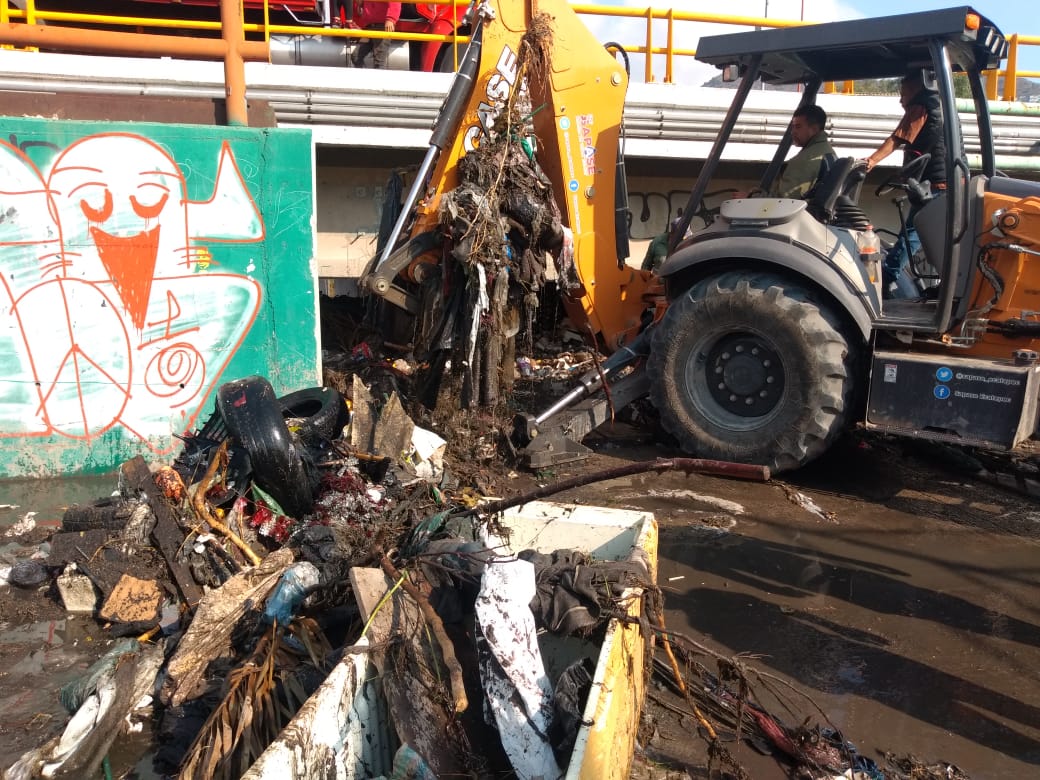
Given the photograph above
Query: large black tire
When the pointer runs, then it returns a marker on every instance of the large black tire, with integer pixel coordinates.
(752, 368)
(110, 513)
(254, 418)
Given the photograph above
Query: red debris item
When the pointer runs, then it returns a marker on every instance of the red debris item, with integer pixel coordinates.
(361, 352)
(267, 523)
(170, 483)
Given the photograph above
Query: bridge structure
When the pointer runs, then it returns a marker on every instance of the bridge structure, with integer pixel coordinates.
(365, 123)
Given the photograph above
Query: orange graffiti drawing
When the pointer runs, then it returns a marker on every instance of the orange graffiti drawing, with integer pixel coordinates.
(112, 316)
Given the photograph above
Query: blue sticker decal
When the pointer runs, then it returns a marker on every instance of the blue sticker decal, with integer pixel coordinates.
(944, 374)
(942, 392)
(565, 123)
(572, 185)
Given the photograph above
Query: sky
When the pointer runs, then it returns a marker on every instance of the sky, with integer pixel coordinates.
(1011, 16)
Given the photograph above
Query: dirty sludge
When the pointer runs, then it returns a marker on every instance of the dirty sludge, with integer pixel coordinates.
(400, 620)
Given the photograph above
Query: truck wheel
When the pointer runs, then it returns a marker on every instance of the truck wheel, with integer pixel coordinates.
(748, 368)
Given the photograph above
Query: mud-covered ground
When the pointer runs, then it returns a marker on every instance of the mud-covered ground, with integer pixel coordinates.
(902, 602)
(896, 598)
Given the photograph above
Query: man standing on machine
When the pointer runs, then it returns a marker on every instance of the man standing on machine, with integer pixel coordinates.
(919, 132)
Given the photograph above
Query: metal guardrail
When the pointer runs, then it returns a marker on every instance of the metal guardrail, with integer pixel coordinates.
(235, 34)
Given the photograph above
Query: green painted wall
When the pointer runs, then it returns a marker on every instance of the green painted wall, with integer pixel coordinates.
(142, 266)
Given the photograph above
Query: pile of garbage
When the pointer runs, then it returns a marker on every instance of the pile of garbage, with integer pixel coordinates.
(290, 535)
(308, 590)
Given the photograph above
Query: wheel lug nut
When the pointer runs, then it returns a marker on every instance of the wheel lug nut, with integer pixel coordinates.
(762, 394)
(739, 348)
(769, 380)
(732, 397)
(749, 400)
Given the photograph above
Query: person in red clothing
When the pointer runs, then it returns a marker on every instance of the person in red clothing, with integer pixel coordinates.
(374, 15)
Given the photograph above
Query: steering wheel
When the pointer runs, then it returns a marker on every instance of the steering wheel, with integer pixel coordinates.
(900, 179)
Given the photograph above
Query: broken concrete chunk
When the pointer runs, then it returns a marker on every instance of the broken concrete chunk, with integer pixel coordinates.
(132, 601)
(77, 592)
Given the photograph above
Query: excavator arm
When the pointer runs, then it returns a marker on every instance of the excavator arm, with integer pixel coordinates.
(575, 99)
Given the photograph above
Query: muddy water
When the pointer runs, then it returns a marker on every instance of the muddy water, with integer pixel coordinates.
(904, 602)
(48, 498)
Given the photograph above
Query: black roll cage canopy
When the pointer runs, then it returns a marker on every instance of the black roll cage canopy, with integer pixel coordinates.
(939, 42)
(882, 47)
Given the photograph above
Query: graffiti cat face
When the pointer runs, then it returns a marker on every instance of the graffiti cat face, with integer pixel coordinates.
(121, 184)
(120, 203)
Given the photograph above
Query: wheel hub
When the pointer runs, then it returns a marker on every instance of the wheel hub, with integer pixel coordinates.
(744, 375)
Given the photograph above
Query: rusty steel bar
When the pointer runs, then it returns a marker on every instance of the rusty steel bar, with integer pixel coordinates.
(717, 468)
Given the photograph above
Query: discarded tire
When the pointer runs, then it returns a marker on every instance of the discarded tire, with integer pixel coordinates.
(253, 417)
(316, 414)
(109, 513)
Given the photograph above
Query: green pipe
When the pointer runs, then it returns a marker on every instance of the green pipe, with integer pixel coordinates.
(1010, 108)
(1030, 163)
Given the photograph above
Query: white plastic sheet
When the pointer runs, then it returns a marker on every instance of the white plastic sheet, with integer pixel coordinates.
(518, 690)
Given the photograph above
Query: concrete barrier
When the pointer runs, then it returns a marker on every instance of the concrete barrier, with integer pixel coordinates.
(141, 266)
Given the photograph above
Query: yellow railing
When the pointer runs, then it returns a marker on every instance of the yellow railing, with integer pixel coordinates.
(652, 47)
(671, 16)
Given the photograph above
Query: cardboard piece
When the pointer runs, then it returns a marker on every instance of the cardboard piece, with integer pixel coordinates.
(133, 601)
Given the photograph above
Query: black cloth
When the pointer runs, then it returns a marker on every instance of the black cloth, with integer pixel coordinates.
(570, 693)
(575, 594)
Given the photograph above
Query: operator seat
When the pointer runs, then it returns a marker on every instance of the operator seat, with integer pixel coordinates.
(834, 199)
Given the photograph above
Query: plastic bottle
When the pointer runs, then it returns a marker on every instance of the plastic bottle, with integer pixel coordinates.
(295, 584)
(869, 251)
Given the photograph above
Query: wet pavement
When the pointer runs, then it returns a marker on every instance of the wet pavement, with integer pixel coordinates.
(900, 599)
(907, 608)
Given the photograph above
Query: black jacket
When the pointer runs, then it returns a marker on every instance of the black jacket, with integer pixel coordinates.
(931, 139)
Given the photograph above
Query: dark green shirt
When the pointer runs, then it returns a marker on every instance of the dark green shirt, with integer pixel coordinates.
(802, 170)
(656, 252)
